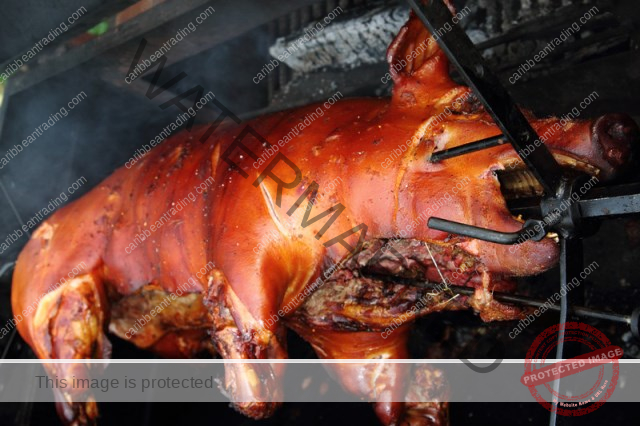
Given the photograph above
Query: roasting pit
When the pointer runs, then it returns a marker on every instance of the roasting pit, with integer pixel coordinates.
(234, 46)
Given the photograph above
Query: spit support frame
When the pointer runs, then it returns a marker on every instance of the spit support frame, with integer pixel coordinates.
(572, 224)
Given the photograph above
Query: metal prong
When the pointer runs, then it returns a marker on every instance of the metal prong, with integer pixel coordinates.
(533, 230)
(468, 148)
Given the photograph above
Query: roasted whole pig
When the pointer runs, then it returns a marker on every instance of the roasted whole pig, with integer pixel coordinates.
(253, 240)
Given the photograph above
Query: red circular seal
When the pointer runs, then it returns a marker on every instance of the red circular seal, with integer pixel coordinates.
(537, 375)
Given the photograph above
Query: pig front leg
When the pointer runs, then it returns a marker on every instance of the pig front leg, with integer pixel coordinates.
(255, 389)
(394, 386)
(352, 317)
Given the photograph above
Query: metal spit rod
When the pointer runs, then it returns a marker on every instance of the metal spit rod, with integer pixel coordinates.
(579, 311)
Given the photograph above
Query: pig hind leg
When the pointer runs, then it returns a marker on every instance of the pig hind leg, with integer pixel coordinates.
(69, 323)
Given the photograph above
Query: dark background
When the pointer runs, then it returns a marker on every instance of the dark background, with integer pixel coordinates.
(223, 56)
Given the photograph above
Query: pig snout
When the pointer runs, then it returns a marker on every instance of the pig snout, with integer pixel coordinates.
(616, 137)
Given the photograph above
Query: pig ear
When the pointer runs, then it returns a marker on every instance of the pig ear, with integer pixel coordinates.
(419, 69)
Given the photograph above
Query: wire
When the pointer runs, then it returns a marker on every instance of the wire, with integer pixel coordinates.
(564, 309)
(444, 281)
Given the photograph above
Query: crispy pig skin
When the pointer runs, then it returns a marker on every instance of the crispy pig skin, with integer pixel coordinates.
(219, 222)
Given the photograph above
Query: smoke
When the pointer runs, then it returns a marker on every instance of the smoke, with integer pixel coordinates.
(91, 140)
(102, 132)
(23, 24)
